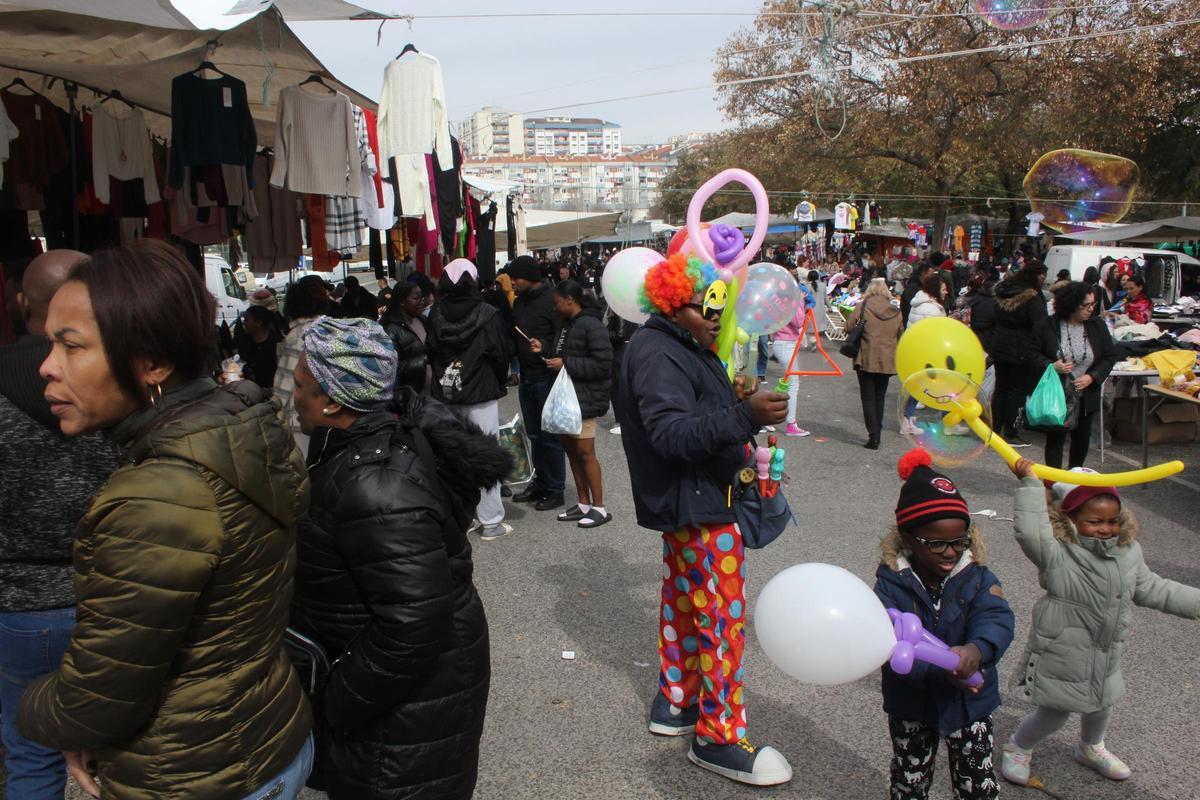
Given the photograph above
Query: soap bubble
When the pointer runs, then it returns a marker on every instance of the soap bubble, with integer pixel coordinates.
(1014, 15)
(1070, 187)
(925, 426)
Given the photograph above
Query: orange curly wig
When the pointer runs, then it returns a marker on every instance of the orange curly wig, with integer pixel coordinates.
(670, 284)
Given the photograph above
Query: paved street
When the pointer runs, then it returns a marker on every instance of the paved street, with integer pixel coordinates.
(574, 729)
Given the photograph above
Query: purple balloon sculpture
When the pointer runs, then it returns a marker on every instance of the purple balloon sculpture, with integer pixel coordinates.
(913, 642)
(727, 242)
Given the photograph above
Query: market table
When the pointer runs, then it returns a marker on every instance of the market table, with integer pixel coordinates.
(1118, 373)
(1163, 394)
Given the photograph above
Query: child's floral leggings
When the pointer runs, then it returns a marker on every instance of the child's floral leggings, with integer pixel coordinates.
(701, 630)
(914, 747)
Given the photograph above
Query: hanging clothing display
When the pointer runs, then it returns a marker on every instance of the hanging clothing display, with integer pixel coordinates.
(378, 204)
(121, 149)
(8, 132)
(854, 217)
(448, 181)
(344, 225)
(874, 216)
(521, 236)
(36, 154)
(485, 237)
(273, 239)
(316, 149)
(960, 237)
(413, 123)
(804, 211)
(210, 124)
(510, 225)
(1035, 223)
(841, 217)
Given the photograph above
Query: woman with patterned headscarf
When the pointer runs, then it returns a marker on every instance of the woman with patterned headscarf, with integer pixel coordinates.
(383, 582)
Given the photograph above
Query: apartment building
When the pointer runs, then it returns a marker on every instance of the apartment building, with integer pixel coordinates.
(582, 182)
(572, 136)
(493, 132)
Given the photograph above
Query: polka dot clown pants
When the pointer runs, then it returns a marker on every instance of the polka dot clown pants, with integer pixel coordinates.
(701, 629)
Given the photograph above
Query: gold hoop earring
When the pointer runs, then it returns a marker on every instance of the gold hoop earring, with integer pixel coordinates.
(155, 394)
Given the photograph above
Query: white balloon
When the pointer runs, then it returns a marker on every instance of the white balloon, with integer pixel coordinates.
(622, 281)
(821, 624)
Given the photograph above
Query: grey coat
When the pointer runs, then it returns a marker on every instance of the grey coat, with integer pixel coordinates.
(1073, 660)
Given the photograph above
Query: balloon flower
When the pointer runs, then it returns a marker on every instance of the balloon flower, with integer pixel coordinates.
(821, 624)
(940, 361)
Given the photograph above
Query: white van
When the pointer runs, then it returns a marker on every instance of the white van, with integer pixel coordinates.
(223, 285)
(1162, 269)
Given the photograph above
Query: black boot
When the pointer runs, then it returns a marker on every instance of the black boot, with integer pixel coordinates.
(872, 443)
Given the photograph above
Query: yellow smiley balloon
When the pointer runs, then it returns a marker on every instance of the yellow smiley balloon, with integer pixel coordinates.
(716, 297)
(930, 356)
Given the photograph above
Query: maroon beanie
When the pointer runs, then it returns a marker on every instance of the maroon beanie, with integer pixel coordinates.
(926, 496)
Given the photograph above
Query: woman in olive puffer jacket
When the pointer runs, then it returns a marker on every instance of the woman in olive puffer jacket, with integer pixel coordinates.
(384, 577)
(175, 682)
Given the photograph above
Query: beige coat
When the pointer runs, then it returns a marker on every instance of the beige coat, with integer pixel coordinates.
(883, 328)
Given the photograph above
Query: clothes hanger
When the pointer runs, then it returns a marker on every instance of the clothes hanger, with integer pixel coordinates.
(208, 65)
(115, 94)
(18, 82)
(315, 78)
(409, 48)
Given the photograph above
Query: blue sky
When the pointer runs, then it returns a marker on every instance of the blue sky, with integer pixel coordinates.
(525, 64)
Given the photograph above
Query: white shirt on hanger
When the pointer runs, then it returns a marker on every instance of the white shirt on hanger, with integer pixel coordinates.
(413, 122)
(841, 217)
(1035, 223)
(121, 148)
(8, 132)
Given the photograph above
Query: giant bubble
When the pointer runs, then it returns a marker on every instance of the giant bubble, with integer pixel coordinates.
(1014, 15)
(926, 397)
(1070, 187)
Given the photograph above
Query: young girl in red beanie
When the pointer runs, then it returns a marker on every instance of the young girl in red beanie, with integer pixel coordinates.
(934, 566)
(1085, 548)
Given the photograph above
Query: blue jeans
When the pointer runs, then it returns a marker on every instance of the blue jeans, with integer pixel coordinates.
(32, 644)
(287, 784)
(549, 460)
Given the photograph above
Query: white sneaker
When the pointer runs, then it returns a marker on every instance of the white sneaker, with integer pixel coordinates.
(1097, 757)
(491, 532)
(1014, 764)
(615, 430)
(767, 429)
(908, 425)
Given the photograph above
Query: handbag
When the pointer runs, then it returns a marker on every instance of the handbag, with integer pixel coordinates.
(853, 342)
(515, 440)
(760, 518)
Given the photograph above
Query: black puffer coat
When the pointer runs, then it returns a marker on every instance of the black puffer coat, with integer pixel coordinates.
(384, 584)
(410, 351)
(1019, 307)
(587, 353)
(470, 355)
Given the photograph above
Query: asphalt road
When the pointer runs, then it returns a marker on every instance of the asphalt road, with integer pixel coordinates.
(577, 729)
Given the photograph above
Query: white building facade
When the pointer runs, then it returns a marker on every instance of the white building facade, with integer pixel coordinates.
(582, 182)
(493, 132)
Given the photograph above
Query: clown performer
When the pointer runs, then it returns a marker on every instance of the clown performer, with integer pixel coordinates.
(685, 428)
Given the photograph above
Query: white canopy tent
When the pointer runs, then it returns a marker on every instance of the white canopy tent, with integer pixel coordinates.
(135, 49)
(1171, 229)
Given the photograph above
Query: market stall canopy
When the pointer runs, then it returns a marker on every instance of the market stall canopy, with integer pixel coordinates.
(1156, 230)
(779, 223)
(565, 233)
(488, 186)
(163, 14)
(107, 53)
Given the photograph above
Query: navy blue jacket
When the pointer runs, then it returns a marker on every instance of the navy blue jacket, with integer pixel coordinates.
(973, 611)
(683, 429)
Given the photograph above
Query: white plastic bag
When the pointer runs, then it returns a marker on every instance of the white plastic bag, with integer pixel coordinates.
(562, 414)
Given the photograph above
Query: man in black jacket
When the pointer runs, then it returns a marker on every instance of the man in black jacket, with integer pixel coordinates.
(46, 484)
(535, 319)
(685, 432)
